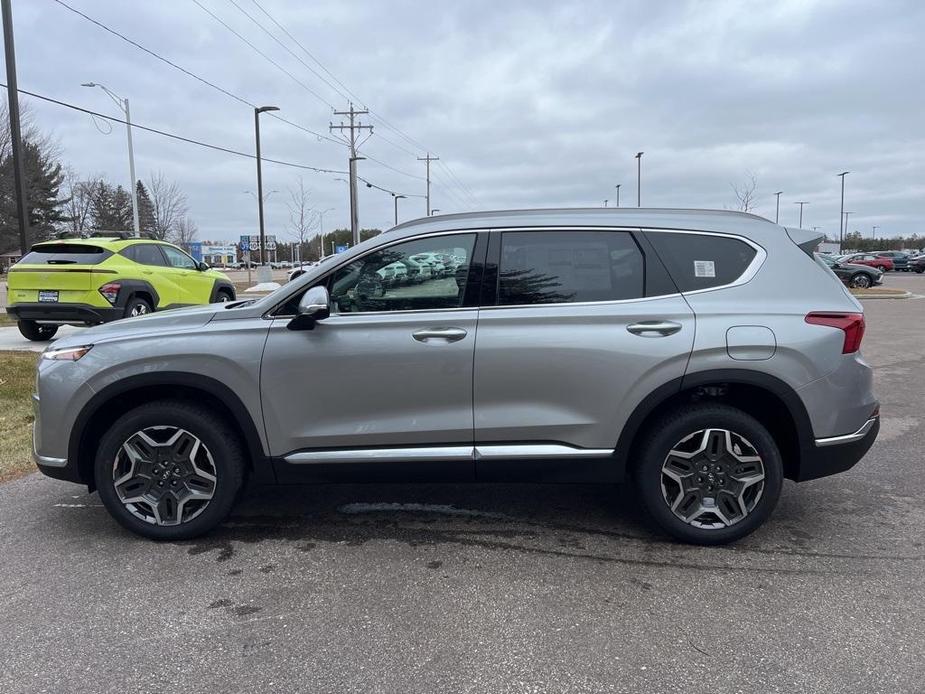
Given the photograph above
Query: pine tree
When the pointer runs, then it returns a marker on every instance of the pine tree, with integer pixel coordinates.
(112, 209)
(43, 183)
(145, 209)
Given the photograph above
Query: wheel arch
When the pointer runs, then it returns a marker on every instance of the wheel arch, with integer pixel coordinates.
(110, 402)
(133, 288)
(770, 400)
(218, 286)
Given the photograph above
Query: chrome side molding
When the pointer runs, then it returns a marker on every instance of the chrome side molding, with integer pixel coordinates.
(848, 438)
(440, 454)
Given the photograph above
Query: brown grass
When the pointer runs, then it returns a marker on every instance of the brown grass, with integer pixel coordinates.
(17, 380)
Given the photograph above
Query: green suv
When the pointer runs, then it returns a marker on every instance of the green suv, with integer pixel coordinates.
(86, 281)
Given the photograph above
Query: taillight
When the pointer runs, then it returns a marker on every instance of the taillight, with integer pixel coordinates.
(852, 324)
(110, 291)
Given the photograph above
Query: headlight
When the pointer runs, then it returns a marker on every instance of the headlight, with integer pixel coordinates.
(66, 353)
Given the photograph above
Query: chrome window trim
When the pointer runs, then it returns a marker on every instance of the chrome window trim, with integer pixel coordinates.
(395, 242)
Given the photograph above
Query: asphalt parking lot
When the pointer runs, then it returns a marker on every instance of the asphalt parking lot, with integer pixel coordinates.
(507, 588)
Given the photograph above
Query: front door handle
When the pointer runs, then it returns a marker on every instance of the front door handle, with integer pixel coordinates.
(654, 328)
(435, 334)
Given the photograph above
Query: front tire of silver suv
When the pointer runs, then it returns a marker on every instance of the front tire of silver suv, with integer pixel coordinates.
(708, 473)
(169, 470)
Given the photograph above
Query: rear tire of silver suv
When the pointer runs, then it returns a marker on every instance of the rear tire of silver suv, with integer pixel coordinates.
(169, 470)
(708, 473)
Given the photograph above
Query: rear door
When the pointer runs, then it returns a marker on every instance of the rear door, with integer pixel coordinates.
(582, 324)
(151, 269)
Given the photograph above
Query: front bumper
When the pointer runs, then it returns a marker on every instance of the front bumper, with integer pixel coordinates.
(835, 454)
(65, 313)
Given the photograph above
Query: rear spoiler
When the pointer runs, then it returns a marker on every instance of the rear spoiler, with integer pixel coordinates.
(807, 240)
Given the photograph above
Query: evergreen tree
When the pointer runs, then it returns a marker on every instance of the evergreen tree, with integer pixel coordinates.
(112, 209)
(145, 209)
(43, 183)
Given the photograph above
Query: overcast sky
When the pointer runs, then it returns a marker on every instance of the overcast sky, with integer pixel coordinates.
(531, 104)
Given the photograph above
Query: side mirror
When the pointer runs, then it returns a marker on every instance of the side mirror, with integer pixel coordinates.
(314, 306)
(835, 265)
(202, 267)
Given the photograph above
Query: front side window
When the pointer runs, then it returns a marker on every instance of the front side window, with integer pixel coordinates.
(393, 279)
(702, 261)
(178, 259)
(552, 267)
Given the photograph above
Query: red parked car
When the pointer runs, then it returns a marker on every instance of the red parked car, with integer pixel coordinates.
(881, 263)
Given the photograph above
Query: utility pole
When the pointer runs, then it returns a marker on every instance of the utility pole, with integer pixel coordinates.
(427, 161)
(264, 274)
(801, 203)
(618, 193)
(639, 178)
(777, 211)
(12, 91)
(841, 215)
(353, 128)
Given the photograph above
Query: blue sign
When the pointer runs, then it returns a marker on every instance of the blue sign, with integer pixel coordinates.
(245, 244)
(341, 249)
(195, 250)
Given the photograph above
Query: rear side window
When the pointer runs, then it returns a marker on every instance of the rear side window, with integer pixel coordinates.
(146, 254)
(701, 261)
(65, 254)
(553, 267)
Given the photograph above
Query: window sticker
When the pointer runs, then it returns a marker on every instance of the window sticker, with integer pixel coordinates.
(704, 268)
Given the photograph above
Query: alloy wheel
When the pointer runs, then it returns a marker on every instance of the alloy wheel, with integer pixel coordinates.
(712, 478)
(164, 475)
(139, 309)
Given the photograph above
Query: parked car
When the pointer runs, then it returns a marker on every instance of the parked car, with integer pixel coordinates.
(917, 263)
(86, 281)
(900, 259)
(854, 276)
(654, 346)
(882, 264)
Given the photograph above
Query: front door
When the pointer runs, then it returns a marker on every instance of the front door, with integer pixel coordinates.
(387, 377)
(576, 339)
(191, 285)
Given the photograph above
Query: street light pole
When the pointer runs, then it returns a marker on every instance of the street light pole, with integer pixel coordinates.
(873, 231)
(133, 185)
(321, 232)
(801, 203)
(639, 178)
(264, 274)
(618, 193)
(605, 202)
(846, 221)
(396, 205)
(841, 216)
(777, 209)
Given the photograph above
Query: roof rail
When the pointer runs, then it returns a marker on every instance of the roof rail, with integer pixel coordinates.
(111, 234)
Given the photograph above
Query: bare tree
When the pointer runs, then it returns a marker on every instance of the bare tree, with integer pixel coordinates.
(746, 193)
(78, 206)
(302, 217)
(168, 203)
(184, 231)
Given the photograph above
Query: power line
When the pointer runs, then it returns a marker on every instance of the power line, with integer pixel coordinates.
(392, 168)
(186, 72)
(289, 50)
(174, 136)
(264, 55)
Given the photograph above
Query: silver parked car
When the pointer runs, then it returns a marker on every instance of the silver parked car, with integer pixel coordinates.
(654, 346)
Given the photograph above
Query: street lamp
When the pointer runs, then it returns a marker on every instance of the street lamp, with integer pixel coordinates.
(618, 193)
(264, 275)
(777, 210)
(396, 205)
(123, 104)
(320, 233)
(639, 178)
(801, 203)
(841, 216)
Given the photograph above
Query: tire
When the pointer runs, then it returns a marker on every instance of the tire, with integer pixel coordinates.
(224, 296)
(919, 270)
(37, 332)
(137, 306)
(860, 280)
(736, 509)
(173, 427)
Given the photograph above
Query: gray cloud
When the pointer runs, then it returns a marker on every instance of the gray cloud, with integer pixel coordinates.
(530, 103)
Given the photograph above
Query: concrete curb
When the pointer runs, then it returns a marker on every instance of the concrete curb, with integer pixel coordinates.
(904, 295)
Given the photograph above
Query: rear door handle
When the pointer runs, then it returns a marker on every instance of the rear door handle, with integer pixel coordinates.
(654, 328)
(444, 334)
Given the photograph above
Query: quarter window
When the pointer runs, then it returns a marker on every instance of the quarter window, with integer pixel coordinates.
(551, 267)
(702, 261)
(424, 274)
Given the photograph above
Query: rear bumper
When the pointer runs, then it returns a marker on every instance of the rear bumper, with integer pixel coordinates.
(64, 313)
(835, 454)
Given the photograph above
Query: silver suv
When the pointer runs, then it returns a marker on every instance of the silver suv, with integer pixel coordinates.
(702, 356)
